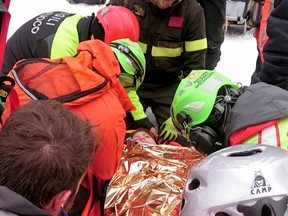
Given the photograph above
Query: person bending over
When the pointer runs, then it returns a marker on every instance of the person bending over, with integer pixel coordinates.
(45, 150)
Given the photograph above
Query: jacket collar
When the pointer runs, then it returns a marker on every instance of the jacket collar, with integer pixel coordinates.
(17, 204)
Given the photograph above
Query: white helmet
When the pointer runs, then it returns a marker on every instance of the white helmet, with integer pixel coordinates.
(247, 179)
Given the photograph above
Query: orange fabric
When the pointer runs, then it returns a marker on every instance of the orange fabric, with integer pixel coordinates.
(110, 71)
(104, 109)
(107, 115)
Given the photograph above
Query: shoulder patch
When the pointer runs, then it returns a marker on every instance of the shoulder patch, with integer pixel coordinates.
(138, 9)
(175, 22)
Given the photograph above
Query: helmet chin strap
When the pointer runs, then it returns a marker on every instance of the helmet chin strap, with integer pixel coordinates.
(225, 104)
(229, 100)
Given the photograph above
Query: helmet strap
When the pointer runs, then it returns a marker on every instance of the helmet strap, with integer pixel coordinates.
(222, 109)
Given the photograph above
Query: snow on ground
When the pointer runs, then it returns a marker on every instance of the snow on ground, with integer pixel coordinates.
(239, 54)
(238, 50)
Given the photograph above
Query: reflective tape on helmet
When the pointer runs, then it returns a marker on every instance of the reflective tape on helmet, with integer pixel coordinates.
(143, 47)
(191, 46)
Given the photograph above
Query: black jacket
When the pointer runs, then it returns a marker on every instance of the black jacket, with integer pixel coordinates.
(170, 29)
(261, 102)
(12, 203)
(35, 38)
(274, 70)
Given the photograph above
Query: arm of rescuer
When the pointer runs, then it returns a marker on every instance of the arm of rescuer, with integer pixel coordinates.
(139, 114)
(275, 53)
(195, 40)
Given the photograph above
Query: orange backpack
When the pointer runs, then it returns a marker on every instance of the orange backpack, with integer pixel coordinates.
(72, 80)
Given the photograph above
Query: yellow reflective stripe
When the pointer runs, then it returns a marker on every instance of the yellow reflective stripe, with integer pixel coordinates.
(191, 46)
(143, 47)
(66, 38)
(166, 52)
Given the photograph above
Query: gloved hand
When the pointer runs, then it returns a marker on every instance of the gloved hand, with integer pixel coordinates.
(144, 123)
(167, 132)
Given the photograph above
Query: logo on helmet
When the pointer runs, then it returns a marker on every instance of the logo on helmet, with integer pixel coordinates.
(260, 185)
(138, 9)
(203, 78)
(123, 49)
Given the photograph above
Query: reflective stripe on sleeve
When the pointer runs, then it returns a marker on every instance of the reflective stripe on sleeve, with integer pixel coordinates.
(166, 52)
(191, 46)
(143, 47)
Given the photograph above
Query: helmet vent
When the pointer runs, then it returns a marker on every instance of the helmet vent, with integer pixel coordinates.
(266, 211)
(222, 214)
(245, 153)
(194, 184)
(183, 203)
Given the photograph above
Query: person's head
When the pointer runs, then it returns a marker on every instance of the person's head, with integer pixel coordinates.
(164, 4)
(115, 22)
(142, 135)
(200, 108)
(45, 150)
(131, 60)
(247, 179)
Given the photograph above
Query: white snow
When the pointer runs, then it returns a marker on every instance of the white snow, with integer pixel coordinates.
(238, 50)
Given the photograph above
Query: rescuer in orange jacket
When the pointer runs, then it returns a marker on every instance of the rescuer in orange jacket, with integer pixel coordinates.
(88, 84)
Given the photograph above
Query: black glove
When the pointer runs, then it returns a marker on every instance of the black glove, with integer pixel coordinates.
(144, 123)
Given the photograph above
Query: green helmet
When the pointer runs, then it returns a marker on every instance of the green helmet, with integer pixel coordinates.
(132, 62)
(196, 96)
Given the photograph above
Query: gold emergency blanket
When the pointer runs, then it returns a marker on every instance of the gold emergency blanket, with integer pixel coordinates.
(150, 180)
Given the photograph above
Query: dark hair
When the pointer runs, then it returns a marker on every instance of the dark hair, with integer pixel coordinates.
(144, 130)
(44, 149)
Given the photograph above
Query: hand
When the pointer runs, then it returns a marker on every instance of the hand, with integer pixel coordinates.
(145, 123)
(167, 132)
(154, 131)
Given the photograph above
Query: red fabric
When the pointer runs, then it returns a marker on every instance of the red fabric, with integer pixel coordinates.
(173, 143)
(239, 136)
(176, 22)
(3, 31)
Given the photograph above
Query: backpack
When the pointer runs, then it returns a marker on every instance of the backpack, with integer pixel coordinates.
(71, 80)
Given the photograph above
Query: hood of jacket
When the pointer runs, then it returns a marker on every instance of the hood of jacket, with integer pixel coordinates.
(266, 102)
(12, 202)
